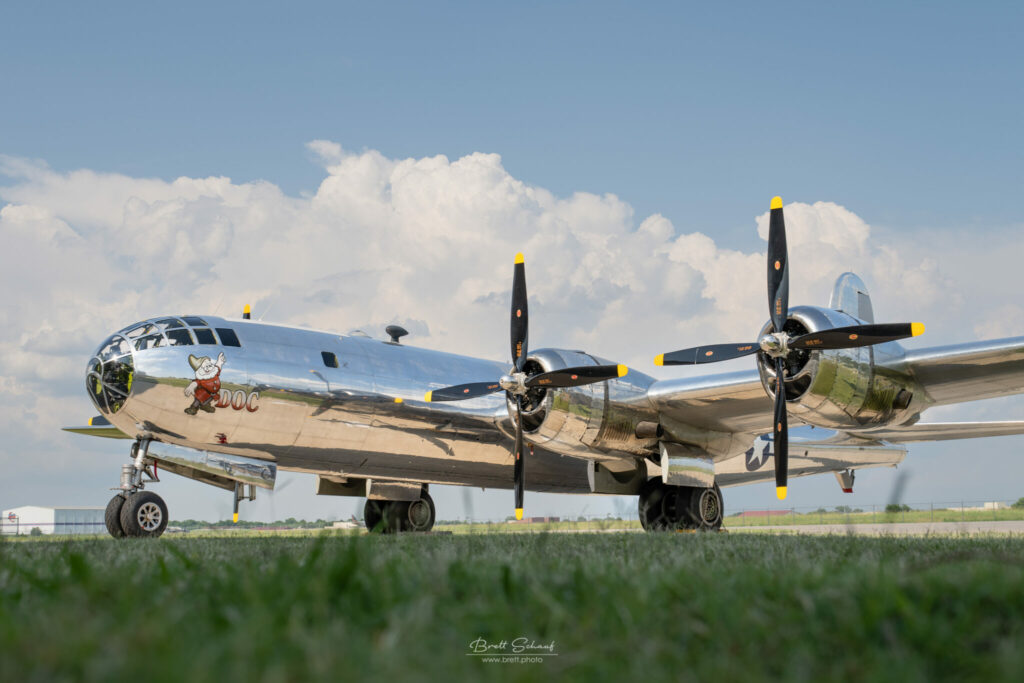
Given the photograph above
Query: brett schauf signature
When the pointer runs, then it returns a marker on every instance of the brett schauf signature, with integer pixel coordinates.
(516, 646)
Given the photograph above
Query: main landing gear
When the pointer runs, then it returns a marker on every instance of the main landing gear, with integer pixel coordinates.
(133, 512)
(393, 516)
(679, 508)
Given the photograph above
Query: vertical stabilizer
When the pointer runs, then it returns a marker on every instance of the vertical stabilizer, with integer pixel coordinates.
(850, 295)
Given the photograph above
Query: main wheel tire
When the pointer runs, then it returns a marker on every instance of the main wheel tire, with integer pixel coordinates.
(705, 509)
(676, 508)
(418, 515)
(144, 514)
(395, 513)
(373, 515)
(112, 516)
(650, 505)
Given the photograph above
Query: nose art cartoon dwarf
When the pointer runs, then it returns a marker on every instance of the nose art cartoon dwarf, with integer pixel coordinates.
(205, 387)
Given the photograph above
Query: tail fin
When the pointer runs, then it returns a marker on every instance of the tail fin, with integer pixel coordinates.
(850, 295)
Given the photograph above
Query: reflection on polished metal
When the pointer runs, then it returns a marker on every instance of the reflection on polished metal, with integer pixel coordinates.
(393, 490)
(213, 466)
(686, 466)
(514, 383)
(845, 479)
(775, 344)
(850, 296)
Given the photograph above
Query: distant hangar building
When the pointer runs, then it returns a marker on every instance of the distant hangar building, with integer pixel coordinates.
(52, 520)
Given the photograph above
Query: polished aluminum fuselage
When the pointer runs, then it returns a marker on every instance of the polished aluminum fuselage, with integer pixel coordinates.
(279, 400)
(352, 407)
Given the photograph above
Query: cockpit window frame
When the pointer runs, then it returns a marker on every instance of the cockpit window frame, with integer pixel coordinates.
(141, 330)
(150, 341)
(169, 324)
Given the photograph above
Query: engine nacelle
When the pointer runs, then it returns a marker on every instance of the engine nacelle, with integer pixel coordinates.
(591, 421)
(835, 388)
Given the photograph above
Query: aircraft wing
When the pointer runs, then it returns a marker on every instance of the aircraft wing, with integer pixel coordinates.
(969, 372)
(717, 413)
(941, 431)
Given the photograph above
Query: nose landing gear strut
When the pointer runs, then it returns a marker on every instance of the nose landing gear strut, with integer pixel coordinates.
(133, 512)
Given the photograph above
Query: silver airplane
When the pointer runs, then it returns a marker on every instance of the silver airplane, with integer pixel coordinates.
(229, 402)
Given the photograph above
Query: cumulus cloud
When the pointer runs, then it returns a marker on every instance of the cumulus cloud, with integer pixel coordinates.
(426, 242)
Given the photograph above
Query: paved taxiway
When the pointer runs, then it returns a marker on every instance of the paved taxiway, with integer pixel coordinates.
(896, 529)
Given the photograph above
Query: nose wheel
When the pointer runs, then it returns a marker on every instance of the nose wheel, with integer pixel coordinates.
(142, 514)
(134, 512)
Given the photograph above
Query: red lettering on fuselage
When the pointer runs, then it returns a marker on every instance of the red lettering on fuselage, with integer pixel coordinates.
(239, 400)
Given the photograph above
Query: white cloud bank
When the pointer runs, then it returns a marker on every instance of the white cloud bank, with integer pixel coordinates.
(428, 243)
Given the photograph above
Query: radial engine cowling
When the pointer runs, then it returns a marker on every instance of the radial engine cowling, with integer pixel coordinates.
(593, 421)
(834, 388)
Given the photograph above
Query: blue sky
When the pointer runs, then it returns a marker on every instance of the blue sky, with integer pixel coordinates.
(907, 111)
(906, 114)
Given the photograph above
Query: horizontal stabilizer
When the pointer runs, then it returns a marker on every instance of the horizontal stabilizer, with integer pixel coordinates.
(106, 430)
(943, 431)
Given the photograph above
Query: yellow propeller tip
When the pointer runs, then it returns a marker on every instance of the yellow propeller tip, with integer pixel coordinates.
(235, 518)
(622, 370)
(519, 513)
(398, 400)
(246, 309)
(780, 491)
(916, 329)
(90, 421)
(519, 258)
(776, 202)
(426, 397)
(659, 359)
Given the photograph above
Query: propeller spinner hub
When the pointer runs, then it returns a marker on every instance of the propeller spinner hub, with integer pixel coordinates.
(514, 384)
(775, 344)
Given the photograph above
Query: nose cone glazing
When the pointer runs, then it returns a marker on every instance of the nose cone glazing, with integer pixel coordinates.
(108, 378)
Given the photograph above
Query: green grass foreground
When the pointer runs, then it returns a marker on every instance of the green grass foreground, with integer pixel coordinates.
(618, 607)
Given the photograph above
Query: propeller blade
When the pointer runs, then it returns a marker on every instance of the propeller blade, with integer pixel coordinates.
(781, 431)
(706, 354)
(778, 267)
(577, 377)
(856, 335)
(461, 392)
(518, 475)
(520, 319)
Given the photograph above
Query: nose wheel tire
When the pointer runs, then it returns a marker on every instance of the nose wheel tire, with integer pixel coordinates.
(112, 516)
(144, 514)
